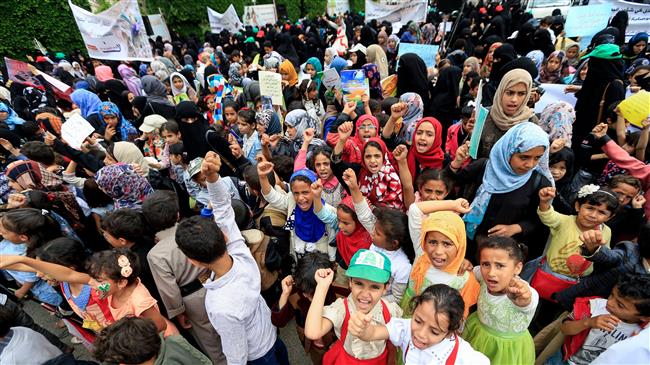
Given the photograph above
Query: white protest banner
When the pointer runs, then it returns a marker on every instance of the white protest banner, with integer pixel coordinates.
(552, 94)
(229, 20)
(117, 33)
(586, 20)
(75, 130)
(159, 27)
(331, 79)
(638, 16)
(337, 7)
(260, 15)
(396, 11)
(271, 85)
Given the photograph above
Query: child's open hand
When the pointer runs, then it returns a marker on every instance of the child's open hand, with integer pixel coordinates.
(324, 277)
(638, 201)
(317, 189)
(605, 322)
(264, 168)
(350, 179)
(519, 292)
(546, 194)
(461, 206)
(592, 239)
(358, 323)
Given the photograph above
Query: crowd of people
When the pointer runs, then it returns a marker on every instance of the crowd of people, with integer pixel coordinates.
(199, 217)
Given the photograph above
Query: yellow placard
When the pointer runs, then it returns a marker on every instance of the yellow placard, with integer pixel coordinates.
(636, 108)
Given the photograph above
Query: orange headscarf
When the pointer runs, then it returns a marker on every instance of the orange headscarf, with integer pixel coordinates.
(452, 226)
(286, 67)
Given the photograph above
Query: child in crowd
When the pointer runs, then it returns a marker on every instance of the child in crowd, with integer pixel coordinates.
(369, 273)
(506, 305)
(251, 145)
(629, 217)
(431, 335)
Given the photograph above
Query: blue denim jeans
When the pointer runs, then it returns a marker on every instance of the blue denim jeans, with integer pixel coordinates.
(277, 355)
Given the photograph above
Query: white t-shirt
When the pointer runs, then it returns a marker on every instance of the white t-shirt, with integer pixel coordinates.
(27, 346)
(400, 266)
(633, 351)
(399, 332)
(598, 340)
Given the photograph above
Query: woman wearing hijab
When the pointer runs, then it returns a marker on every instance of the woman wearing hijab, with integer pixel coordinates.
(154, 90)
(554, 68)
(88, 103)
(296, 122)
(77, 71)
(636, 48)
(509, 108)
(486, 67)
(193, 127)
(507, 199)
(557, 120)
(603, 83)
(339, 64)
(127, 188)
(117, 127)
(376, 55)
(446, 95)
(128, 153)
(426, 149)
(425, 274)
(130, 79)
(412, 77)
(358, 57)
(9, 117)
(181, 88)
(268, 122)
(542, 42)
(330, 55)
(103, 73)
(289, 82)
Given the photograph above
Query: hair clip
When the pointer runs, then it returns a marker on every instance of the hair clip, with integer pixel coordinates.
(588, 190)
(124, 263)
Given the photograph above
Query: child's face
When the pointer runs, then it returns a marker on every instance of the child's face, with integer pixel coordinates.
(625, 193)
(200, 179)
(175, 159)
(583, 72)
(171, 138)
(623, 308)
(553, 64)
(211, 104)
(322, 165)
(311, 94)
(105, 286)
(637, 48)
(440, 249)
(428, 327)
(178, 83)
(498, 269)
(591, 216)
(523, 162)
(558, 170)
(367, 130)
(513, 98)
(11, 236)
(291, 132)
(572, 52)
(353, 57)
(392, 43)
(473, 91)
(424, 137)
(261, 129)
(347, 225)
(244, 128)
(302, 195)
(373, 159)
(433, 190)
(231, 115)
(111, 120)
(327, 58)
(380, 240)
(366, 293)
(310, 70)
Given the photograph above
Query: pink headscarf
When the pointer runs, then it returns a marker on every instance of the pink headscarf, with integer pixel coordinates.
(103, 73)
(130, 79)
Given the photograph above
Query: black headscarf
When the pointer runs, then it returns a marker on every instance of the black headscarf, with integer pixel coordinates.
(193, 134)
(412, 77)
(361, 60)
(445, 95)
(542, 41)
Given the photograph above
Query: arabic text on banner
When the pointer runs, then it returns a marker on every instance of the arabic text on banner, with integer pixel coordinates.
(396, 10)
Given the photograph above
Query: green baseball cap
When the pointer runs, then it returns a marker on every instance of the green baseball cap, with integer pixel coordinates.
(605, 51)
(369, 265)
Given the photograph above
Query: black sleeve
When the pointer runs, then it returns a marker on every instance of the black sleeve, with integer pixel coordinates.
(84, 160)
(342, 118)
(470, 173)
(531, 221)
(339, 166)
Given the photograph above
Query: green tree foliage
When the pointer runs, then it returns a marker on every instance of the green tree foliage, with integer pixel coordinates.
(49, 21)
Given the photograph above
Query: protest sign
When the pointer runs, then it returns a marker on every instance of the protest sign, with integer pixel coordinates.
(396, 11)
(117, 33)
(331, 79)
(354, 84)
(389, 86)
(480, 115)
(75, 130)
(427, 52)
(159, 27)
(636, 108)
(260, 15)
(638, 16)
(19, 72)
(586, 20)
(229, 20)
(336, 7)
(552, 94)
(271, 85)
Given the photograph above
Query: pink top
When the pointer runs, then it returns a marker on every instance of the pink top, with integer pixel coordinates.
(635, 167)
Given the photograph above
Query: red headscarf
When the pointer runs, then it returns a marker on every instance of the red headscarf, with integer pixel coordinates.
(360, 238)
(434, 156)
(356, 140)
(385, 187)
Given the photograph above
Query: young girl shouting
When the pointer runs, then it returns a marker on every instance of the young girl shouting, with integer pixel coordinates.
(429, 337)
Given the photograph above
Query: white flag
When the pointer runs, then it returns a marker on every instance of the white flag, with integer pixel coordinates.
(229, 20)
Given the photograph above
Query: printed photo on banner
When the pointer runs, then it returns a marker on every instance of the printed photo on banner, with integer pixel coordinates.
(354, 84)
(117, 33)
(260, 15)
(159, 27)
(229, 20)
(396, 11)
(336, 7)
